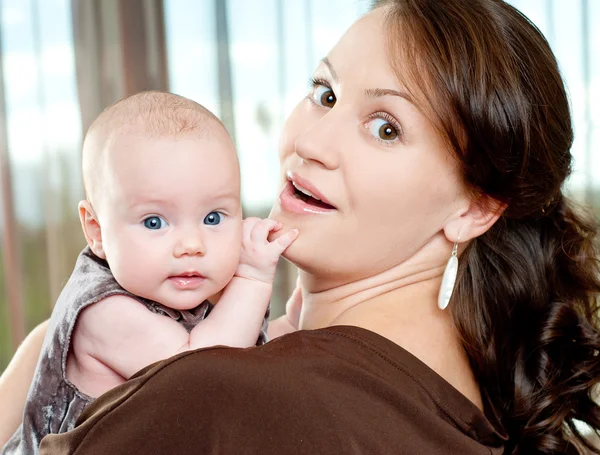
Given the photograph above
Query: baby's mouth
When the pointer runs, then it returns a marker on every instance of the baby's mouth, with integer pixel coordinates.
(190, 275)
(187, 280)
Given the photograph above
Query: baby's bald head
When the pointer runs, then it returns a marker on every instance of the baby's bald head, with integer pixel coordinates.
(163, 197)
(149, 114)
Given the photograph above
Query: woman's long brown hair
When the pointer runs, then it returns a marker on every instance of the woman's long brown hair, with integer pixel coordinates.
(526, 299)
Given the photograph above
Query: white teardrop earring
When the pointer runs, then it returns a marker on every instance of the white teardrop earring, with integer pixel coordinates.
(449, 279)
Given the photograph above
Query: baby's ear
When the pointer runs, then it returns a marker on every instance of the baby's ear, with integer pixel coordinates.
(91, 228)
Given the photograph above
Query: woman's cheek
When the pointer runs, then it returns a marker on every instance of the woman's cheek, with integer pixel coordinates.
(297, 122)
(286, 142)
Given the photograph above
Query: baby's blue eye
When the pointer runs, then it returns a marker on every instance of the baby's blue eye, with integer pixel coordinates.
(154, 223)
(213, 218)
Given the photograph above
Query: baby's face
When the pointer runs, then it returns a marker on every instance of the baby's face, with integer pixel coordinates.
(171, 217)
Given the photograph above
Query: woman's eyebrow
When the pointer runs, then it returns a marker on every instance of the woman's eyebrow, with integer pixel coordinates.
(379, 92)
(370, 92)
(334, 75)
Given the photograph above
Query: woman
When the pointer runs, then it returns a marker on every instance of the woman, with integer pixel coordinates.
(15, 382)
(433, 130)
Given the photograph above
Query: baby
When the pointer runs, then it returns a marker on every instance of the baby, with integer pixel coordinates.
(163, 223)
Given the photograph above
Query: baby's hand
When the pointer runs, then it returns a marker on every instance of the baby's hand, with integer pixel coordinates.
(259, 256)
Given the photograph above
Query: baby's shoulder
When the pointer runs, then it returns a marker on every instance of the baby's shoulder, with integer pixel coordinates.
(117, 305)
(109, 314)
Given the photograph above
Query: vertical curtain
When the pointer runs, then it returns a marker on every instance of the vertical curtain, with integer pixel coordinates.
(63, 61)
(569, 28)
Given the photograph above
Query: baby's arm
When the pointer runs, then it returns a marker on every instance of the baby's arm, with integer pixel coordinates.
(237, 318)
(119, 335)
(115, 338)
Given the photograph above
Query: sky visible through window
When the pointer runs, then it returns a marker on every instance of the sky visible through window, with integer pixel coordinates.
(270, 74)
(40, 91)
(273, 53)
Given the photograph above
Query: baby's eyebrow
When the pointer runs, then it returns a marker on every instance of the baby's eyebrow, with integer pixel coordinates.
(225, 197)
(139, 202)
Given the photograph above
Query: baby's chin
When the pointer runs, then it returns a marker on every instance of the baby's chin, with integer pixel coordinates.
(215, 298)
(183, 302)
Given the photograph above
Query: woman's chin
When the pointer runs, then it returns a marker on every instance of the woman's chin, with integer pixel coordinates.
(275, 211)
(278, 215)
(291, 254)
(294, 252)
(291, 250)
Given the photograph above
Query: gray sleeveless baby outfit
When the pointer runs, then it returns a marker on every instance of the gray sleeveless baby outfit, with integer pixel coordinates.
(54, 403)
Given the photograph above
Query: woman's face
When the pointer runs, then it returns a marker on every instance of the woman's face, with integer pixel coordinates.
(385, 177)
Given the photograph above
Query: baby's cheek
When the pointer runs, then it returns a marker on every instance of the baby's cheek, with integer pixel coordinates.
(228, 262)
(233, 258)
(134, 268)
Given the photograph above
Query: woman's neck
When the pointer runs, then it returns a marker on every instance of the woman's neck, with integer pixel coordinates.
(399, 304)
(322, 308)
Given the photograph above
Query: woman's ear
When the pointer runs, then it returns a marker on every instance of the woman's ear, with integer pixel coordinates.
(474, 220)
(91, 228)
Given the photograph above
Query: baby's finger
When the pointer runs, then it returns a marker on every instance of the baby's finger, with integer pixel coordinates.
(261, 230)
(248, 227)
(277, 227)
(283, 242)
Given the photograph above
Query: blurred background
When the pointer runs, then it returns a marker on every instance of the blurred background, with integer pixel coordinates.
(63, 61)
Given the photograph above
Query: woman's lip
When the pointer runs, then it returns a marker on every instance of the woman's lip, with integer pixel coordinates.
(290, 203)
(306, 184)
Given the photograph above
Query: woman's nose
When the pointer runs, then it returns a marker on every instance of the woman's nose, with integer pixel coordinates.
(190, 244)
(320, 143)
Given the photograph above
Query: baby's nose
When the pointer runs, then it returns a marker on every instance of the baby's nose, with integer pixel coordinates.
(190, 245)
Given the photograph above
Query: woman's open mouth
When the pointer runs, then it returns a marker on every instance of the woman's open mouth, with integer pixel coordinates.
(306, 196)
(297, 199)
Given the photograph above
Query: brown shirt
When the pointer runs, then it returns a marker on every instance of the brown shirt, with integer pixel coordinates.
(340, 390)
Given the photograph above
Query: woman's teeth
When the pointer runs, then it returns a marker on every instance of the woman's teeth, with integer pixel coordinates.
(304, 191)
(307, 197)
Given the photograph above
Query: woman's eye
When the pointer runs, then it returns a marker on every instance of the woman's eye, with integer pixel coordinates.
(323, 96)
(383, 130)
(213, 219)
(154, 223)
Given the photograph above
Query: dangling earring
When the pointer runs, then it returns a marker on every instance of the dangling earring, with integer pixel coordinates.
(449, 279)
